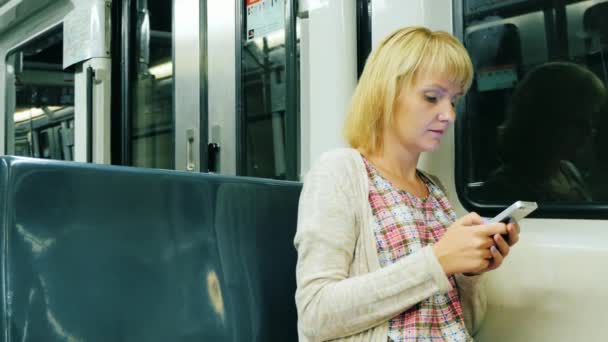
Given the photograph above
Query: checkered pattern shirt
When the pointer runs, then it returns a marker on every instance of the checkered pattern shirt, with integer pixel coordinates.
(403, 224)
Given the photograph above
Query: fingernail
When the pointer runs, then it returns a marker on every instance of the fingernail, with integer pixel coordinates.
(493, 249)
(484, 220)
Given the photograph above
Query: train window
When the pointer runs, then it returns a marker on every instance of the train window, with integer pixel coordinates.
(269, 111)
(40, 110)
(535, 122)
(152, 87)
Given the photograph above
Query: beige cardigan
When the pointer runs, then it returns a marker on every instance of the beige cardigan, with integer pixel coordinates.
(342, 292)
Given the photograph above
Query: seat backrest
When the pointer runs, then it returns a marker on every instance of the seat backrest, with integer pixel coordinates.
(253, 246)
(103, 253)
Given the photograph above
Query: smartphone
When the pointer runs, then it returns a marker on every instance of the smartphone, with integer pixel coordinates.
(517, 211)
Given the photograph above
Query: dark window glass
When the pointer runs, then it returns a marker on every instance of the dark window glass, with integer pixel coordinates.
(40, 112)
(534, 124)
(152, 87)
(269, 116)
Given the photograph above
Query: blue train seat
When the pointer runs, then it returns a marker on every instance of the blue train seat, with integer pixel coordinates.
(105, 253)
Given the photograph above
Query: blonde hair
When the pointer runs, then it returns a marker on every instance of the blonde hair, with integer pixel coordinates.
(394, 64)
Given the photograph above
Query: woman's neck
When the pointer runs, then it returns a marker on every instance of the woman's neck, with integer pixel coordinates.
(398, 165)
(402, 166)
(397, 159)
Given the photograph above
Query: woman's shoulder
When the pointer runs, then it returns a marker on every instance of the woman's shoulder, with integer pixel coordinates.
(341, 167)
(339, 154)
(343, 161)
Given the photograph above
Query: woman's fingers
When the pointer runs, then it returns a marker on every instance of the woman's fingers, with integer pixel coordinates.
(470, 219)
(485, 254)
(492, 228)
(513, 230)
(502, 245)
(497, 258)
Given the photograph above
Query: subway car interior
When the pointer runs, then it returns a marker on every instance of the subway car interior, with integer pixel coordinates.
(152, 154)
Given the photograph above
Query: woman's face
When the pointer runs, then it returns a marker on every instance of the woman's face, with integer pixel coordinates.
(423, 113)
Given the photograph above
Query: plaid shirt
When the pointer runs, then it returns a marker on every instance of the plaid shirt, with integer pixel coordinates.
(403, 224)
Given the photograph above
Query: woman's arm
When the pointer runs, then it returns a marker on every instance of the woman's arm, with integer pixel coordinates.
(330, 304)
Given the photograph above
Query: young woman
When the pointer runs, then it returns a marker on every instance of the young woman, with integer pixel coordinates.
(381, 255)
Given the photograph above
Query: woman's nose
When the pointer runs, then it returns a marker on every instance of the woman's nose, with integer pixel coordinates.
(448, 112)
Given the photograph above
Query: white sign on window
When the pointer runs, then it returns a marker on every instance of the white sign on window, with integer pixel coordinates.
(264, 17)
(495, 78)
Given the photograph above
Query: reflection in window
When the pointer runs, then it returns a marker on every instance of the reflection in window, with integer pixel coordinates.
(40, 111)
(152, 102)
(266, 113)
(535, 117)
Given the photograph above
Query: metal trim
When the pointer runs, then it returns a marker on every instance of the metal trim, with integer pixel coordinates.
(203, 90)
(90, 78)
(128, 11)
(9, 102)
(364, 33)
(240, 119)
(186, 84)
(116, 134)
(292, 122)
(174, 85)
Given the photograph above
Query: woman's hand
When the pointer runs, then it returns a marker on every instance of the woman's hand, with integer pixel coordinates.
(466, 247)
(503, 247)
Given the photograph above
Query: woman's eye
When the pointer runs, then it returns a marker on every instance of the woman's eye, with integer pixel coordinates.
(431, 99)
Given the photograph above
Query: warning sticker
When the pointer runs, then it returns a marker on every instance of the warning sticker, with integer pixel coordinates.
(264, 17)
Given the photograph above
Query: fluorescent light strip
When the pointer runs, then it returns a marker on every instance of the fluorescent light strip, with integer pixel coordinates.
(163, 70)
(31, 113)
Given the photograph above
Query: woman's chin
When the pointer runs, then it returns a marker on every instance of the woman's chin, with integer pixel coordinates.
(431, 146)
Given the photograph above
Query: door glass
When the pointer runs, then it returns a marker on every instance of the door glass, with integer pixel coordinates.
(152, 86)
(40, 120)
(267, 115)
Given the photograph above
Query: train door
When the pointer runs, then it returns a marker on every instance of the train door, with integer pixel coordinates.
(216, 90)
(220, 90)
(55, 81)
